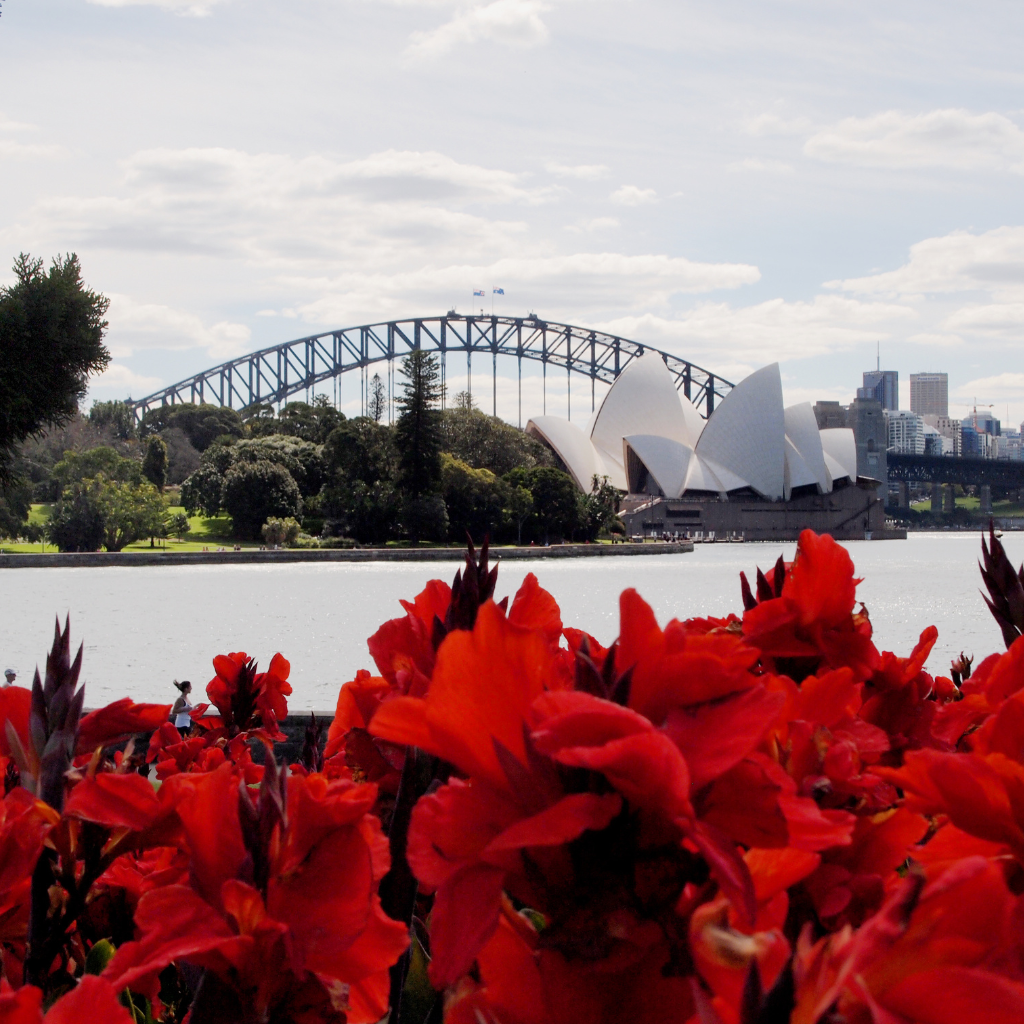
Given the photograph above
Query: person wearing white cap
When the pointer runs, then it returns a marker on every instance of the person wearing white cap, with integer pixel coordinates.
(9, 675)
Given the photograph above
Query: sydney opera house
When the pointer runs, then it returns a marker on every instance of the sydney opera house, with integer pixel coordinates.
(755, 469)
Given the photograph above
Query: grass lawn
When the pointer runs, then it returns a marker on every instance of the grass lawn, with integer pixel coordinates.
(205, 533)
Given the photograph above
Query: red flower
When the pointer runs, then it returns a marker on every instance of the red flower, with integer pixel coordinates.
(936, 953)
(91, 1000)
(277, 902)
(813, 622)
(118, 721)
(247, 699)
(563, 784)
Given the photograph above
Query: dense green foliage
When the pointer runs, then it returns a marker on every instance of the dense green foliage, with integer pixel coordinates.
(418, 432)
(435, 476)
(51, 337)
(201, 424)
(255, 491)
(154, 465)
(487, 442)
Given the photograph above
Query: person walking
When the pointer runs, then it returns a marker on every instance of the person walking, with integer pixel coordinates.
(182, 706)
(9, 676)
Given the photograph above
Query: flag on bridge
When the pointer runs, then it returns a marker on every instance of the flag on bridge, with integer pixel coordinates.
(498, 291)
(481, 292)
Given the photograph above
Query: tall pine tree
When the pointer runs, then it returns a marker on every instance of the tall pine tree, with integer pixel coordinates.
(418, 431)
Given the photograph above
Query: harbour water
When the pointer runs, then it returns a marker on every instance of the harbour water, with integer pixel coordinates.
(144, 626)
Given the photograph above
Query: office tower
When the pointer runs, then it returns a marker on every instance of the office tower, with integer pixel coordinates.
(929, 394)
(883, 386)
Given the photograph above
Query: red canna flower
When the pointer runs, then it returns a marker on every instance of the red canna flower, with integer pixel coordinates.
(813, 623)
(248, 700)
(282, 907)
(568, 793)
(117, 722)
(92, 999)
(936, 953)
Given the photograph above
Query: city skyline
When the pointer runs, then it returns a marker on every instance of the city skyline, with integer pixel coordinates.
(734, 184)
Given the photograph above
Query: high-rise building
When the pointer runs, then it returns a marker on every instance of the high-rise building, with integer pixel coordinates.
(951, 429)
(929, 394)
(906, 432)
(883, 386)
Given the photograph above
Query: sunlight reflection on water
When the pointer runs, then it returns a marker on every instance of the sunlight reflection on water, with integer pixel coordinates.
(144, 626)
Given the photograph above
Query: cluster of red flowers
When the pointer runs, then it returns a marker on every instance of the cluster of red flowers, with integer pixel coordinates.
(747, 820)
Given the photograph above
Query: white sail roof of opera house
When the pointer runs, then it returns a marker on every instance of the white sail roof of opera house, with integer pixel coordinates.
(647, 438)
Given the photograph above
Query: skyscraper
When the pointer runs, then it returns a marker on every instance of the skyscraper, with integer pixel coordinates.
(883, 386)
(929, 394)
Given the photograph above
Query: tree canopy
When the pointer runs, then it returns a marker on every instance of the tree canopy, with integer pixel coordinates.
(51, 337)
(418, 431)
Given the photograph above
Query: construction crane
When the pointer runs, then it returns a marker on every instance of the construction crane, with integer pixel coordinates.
(974, 408)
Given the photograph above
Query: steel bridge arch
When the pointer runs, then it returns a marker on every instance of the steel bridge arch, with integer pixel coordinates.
(272, 374)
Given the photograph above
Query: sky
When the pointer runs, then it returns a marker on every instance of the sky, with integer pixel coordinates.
(736, 183)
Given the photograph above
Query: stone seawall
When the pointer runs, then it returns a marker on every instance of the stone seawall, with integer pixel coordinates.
(93, 559)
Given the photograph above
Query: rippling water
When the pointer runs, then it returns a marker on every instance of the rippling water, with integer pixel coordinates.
(144, 626)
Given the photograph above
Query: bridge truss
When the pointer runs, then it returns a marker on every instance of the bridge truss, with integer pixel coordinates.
(948, 470)
(273, 374)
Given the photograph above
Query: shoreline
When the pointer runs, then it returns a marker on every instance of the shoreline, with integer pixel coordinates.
(93, 559)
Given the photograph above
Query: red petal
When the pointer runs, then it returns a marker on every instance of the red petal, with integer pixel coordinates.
(118, 721)
(464, 917)
(92, 999)
(117, 801)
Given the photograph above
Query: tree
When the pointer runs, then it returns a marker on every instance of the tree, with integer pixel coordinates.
(203, 491)
(378, 399)
(361, 449)
(487, 442)
(117, 416)
(255, 491)
(425, 518)
(474, 499)
(154, 465)
(130, 511)
(277, 532)
(76, 466)
(76, 523)
(418, 431)
(203, 424)
(555, 501)
(518, 506)
(51, 337)
(302, 459)
(178, 525)
(15, 505)
(371, 513)
(598, 510)
(182, 457)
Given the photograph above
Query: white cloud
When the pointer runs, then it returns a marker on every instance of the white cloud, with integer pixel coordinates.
(774, 124)
(274, 210)
(955, 139)
(1005, 387)
(515, 23)
(12, 148)
(934, 340)
(119, 379)
(594, 225)
(135, 325)
(772, 330)
(760, 166)
(585, 172)
(190, 8)
(991, 262)
(997, 319)
(631, 195)
(552, 283)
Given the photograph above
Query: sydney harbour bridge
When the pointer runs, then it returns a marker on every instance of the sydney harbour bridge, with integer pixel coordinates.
(273, 374)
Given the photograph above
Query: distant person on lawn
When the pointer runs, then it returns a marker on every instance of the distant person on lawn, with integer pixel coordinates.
(182, 706)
